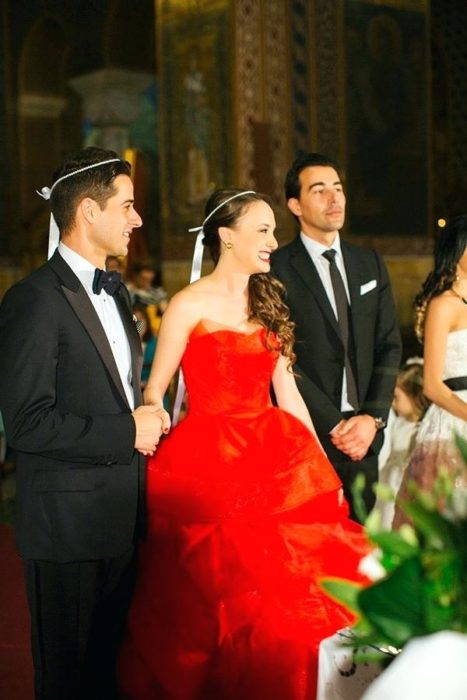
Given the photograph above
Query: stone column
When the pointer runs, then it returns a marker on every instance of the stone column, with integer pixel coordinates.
(112, 100)
(263, 94)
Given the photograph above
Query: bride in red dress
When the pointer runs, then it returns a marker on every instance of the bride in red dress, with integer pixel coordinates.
(245, 512)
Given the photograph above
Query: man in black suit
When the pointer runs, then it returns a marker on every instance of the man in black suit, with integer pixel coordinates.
(70, 362)
(347, 339)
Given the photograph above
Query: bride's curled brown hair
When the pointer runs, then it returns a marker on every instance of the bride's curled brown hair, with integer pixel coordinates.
(266, 294)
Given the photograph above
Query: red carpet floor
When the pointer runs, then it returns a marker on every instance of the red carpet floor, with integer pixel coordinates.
(16, 675)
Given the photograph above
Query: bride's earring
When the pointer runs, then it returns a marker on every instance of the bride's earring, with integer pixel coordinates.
(227, 244)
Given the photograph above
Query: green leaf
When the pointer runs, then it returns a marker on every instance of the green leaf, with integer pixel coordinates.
(392, 543)
(462, 446)
(384, 492)
(373, 522)
(345, 592)
(435, 528)
(394, 605)
(408, 534)
(356, 490)
(425, 499)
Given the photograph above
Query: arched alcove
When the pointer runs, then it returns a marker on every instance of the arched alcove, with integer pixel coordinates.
(43, 60)
(42, 102)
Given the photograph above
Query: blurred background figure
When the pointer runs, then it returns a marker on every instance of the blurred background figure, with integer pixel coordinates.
(144, 291)
(408, 408)
(148, 339)
(115, 264)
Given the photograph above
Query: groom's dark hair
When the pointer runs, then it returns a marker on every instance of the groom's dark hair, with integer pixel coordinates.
(96, 183)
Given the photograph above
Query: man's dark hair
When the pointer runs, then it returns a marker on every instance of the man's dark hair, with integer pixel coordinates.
(96, 183)
(303, 160)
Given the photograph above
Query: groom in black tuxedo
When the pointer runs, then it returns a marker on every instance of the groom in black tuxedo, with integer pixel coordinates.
(70, 362)
(347, 338)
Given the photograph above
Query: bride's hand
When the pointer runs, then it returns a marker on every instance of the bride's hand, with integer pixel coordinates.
(160, 412)
(165, 418)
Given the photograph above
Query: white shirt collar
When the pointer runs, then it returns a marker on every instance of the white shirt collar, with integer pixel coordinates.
(83, 269)
(316, 250)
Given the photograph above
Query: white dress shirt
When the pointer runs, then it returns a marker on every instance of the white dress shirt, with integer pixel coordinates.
(315, 250)
(109, 316)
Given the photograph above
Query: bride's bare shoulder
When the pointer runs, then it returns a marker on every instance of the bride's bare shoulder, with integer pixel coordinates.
(191, 300)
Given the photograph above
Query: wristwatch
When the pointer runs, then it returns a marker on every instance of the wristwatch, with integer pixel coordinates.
(379, 423)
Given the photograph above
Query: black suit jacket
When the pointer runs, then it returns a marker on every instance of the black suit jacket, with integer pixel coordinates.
(319, 347)
(67, 418)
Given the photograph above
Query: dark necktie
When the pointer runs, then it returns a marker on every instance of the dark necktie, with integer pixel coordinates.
(110, 281)
(342, 306)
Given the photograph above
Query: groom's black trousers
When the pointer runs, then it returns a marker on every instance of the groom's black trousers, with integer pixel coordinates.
(78, 611)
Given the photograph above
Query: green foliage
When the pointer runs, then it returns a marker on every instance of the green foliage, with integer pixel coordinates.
(423, 588)
(393, 606)
(357, 497)
(462, 446)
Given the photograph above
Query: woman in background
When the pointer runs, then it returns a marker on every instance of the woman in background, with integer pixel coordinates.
(441, 324)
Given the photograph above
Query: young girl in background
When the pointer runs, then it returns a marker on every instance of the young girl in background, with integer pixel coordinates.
(408, 408)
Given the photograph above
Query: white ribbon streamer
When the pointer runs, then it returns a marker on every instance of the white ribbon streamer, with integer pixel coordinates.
(197, 263)
(54, 237)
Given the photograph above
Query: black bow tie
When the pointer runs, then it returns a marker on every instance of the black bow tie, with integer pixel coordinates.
(110, 281)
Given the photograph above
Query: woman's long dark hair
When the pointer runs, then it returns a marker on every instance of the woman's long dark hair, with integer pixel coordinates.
(449, 248)
(265, 294)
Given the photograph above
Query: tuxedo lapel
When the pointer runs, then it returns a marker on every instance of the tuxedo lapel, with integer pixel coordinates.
(304, 266)
(83, 308)
(134, 341)
(86, 313)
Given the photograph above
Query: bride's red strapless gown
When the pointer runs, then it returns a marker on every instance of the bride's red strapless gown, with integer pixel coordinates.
(244, 521)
